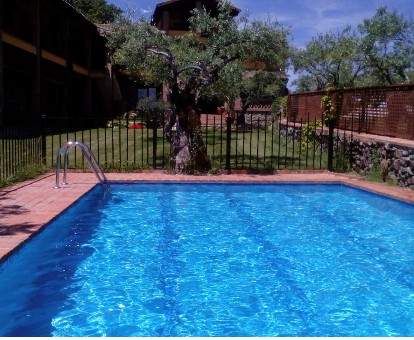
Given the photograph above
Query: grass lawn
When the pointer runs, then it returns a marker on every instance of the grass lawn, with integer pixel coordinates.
(133, 149)
(19, 158)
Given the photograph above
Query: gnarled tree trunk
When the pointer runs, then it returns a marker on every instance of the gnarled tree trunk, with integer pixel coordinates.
(187, 147)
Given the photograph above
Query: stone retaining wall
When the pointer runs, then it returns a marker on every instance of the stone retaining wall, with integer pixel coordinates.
(395, 161)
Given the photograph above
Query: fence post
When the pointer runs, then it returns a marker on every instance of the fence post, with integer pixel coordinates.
(363, 113)
(154, 141)
(412, 134)
(289, 110)
(43, 122)
(228, 142)
(330, 144)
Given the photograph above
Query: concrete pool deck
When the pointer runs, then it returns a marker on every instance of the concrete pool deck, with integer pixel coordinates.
(29, 206)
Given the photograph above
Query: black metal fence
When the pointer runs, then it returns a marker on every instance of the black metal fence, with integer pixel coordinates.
(264, 142)
(20, 145)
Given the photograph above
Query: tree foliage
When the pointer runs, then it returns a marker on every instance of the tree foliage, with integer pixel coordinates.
(98, 11)
(330, 58)
(380, 53)
(193, 68)
(387, 46)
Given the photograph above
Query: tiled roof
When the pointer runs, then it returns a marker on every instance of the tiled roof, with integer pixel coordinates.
(163, 3)
(236, 10)
(76, 10)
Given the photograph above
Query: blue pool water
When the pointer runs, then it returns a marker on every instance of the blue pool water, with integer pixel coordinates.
(217, 260)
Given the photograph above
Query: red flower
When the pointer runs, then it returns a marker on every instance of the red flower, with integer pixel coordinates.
(136, 126)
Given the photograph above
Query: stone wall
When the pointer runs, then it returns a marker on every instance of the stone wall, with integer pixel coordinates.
(395, 161)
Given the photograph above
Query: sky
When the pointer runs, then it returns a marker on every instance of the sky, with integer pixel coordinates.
(306, 18)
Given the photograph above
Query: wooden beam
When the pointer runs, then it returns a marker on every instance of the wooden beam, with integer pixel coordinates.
(16, 42)
(53, 58)
(99, 74)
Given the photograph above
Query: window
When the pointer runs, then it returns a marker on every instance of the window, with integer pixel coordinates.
(147, 93)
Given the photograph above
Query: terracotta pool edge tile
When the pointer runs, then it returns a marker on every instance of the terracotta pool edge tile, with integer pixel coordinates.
(5, 256)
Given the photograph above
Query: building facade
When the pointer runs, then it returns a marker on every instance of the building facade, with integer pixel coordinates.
(53, 62)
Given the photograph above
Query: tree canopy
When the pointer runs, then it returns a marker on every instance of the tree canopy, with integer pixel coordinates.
(194, 67)
(98, 11)
(387, 46)
(329, 58)
(380, 52)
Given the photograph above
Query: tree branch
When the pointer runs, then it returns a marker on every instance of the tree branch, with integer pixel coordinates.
(196, 68)
(165, 54)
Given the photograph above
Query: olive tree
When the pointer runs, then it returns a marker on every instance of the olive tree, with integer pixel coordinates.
(189, 66)
(330, 58)
(387, 46)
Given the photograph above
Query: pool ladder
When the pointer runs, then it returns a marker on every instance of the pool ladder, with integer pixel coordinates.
(90, 157)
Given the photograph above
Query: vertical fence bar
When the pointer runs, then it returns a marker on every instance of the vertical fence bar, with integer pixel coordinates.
(127, 139)
(163, 140)
(214, 136)
(344, 144)
(98, 142)
(52, 146)
(90, 134)
(119, 142)
(9, 136)
(330, 145)
(135, 140)
(2, 163)
(265, 139)
(113, 146)
(244, 135)
(279, 140)
(307, 141)
(206, 131)
(286, 140)
(300, 140)
(293, 140)
(258, 139)
(228, 145)
(60, 142)
(154, 142)
(337, 146)
(352, 140)
(142, 139)
(106, 150)
(148, 125)
(321, 141)
(74, 137)
(314, 145)
(44, 139)
(82, 127)
(237, 142)
(273, 131)
(251, 135)
(221, 139)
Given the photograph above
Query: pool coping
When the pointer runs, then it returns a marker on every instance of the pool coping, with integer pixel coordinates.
(28, 207)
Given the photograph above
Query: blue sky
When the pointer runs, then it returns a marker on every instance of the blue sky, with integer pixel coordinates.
(306, 18)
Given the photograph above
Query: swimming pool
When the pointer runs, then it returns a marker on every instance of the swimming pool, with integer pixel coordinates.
(216, 260)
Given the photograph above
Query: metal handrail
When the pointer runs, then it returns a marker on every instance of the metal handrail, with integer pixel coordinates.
(87, 152)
